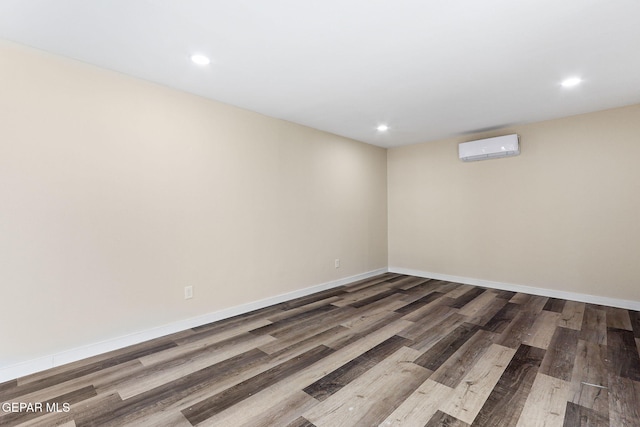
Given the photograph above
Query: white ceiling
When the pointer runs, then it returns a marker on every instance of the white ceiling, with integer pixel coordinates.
(430, 68)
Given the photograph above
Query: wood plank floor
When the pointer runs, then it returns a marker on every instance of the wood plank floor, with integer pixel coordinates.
(392, 350)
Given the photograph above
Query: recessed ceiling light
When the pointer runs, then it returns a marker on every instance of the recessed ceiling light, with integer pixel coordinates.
(382, 128)
(571, 82)
(200, 59)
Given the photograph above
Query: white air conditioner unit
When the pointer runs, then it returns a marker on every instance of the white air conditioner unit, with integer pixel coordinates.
(490, 148)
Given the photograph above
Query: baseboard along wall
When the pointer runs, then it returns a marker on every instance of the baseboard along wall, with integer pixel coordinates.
(72, 355)
(46, 362)
(573, 296)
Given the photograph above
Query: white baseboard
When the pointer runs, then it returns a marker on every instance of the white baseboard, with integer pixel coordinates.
(574, 296)
(61, 358)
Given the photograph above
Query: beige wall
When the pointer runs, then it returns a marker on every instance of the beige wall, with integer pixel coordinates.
(117, 193)
(564, 215)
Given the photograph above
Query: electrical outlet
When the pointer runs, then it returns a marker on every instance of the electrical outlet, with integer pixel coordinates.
(188, 292)
(337, 263)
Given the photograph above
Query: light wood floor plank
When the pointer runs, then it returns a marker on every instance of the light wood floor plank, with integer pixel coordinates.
(417, 409)
(572, 314)
(451, 372)
(369, 399)
(541, 332)
(504, 405)
(476, 305)
(618, 318)
(474, 389)
(459, 291)
(281, 412)
(546, 403)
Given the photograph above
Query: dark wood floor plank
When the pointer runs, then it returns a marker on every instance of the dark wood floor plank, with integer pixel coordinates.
(560, 356)
(505, 294)
(555, 305)
(373, 298)
(594, 325)
(499, 322)
(513, 335)
(440, 419)
(444, 286)
(221, 401)
(430, 337)
(594, 398)
(399, 277)
(590, 378)
(467, 297)
(376, 293)
(579, 416)
(388, 303)
(483, 313)
(624, 360)
(434, 357)
(506, 401)
(301, 422)
(419, 303)
(624, 402)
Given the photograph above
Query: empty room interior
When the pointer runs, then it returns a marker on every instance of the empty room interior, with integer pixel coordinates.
(306, 214)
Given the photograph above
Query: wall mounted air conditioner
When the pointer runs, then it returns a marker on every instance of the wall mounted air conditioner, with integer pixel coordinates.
(490, 148)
